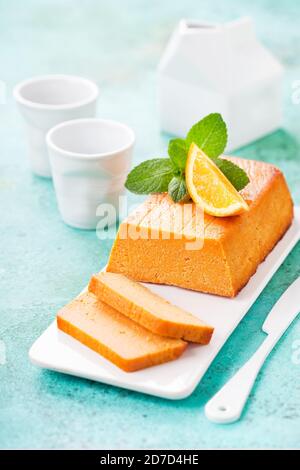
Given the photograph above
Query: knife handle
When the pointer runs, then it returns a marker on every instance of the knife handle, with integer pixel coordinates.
(227, 405)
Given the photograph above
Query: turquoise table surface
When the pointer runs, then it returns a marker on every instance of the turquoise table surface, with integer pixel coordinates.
(44, 263)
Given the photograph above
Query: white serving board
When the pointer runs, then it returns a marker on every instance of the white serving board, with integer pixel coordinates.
(177, 379)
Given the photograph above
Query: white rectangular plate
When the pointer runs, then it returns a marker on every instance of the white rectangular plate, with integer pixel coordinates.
(174, 380)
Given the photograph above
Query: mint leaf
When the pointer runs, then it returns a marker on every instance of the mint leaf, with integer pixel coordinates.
(210, 134)
(177, 189)
(151, 176)
(236, 175)
(178, 153)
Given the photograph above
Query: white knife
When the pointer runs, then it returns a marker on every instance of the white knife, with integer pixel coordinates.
(227, 405)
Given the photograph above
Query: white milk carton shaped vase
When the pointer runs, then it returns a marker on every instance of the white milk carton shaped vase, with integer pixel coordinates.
(223, 68)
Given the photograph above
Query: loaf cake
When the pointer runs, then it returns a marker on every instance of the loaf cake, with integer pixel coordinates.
(152, 244)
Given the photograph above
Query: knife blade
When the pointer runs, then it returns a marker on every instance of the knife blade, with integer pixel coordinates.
(227, 405)
(284, 311)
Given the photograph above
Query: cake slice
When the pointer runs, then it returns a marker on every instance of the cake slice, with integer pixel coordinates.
(148, 309)
(117, 338)
(154, 243)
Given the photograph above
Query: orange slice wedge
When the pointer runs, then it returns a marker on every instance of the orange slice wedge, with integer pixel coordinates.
(209, 187)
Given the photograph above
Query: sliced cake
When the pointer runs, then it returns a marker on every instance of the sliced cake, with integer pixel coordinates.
(148, 309)
(117, 338)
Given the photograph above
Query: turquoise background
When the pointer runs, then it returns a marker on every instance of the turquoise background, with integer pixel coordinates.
(44, 263)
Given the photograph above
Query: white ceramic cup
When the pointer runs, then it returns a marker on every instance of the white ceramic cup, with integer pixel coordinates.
(48, 100)
(90, 159)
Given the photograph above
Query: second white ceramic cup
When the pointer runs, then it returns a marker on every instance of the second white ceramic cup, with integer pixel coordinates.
(90, 159)
(48, 100)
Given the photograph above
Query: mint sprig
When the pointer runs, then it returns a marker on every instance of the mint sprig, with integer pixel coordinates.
(209, 134)
(151, 176)
(178, 151)
(168, 174)
(235, 174)
(177, 189)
